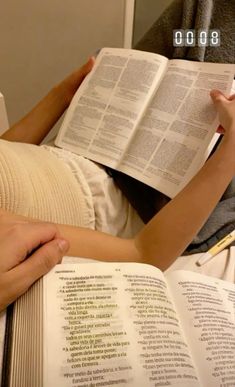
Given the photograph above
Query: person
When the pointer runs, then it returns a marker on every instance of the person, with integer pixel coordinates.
(166, 236)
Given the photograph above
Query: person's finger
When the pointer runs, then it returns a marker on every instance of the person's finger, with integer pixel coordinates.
(18, 280)
(220, 129)
(21, 239)
(217, 97)
(231, 97)
(86, 68)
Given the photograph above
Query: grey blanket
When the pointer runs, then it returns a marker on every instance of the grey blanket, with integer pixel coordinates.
(189, 14)
(194, 14)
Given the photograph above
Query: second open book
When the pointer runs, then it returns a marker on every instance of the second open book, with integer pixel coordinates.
(147, 116)
(113, 324)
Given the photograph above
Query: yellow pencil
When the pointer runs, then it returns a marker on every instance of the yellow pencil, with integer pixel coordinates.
(226, 241)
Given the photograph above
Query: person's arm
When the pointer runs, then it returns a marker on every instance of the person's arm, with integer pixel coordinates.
(86, 243)
(34, 127)
(167, 235)
(39, 242)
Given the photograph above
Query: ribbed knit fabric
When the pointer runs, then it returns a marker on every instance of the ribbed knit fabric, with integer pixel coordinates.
(35, 183)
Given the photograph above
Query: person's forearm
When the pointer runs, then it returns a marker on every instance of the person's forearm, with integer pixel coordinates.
(37, 124)
(174, 227)
(87, 243)
(92, 244)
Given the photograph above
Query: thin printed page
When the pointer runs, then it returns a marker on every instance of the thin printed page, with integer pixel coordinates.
(2, 337)
(233, 87)
(206, 307)
(177, 132)
(112, 324)
(107, 106)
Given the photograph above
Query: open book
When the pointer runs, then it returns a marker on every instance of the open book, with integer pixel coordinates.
(147, 116)
(112, 324)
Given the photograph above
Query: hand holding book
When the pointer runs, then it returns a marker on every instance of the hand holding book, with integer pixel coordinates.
(225, 109)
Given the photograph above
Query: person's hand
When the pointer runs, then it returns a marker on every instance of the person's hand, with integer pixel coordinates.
(74, 80)
(28, 250)
(225, 107)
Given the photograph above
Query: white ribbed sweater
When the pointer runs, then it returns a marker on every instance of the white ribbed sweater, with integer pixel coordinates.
(35, 183)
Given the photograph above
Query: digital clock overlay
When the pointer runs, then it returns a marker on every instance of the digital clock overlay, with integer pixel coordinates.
(192, 38)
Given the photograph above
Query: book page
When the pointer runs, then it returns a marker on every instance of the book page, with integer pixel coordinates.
(233, 87)
(2, 337)
(112, 324)
(206, 306)
(107, 106)
(171, 142)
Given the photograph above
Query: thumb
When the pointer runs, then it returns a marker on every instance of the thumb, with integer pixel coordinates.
(38, 264)
(46, 257)
(217, 97)
(231, 97)
(86, 68)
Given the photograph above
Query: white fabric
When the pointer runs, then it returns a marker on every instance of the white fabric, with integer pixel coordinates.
(221, 266)
(55, 185)
(111, 212)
